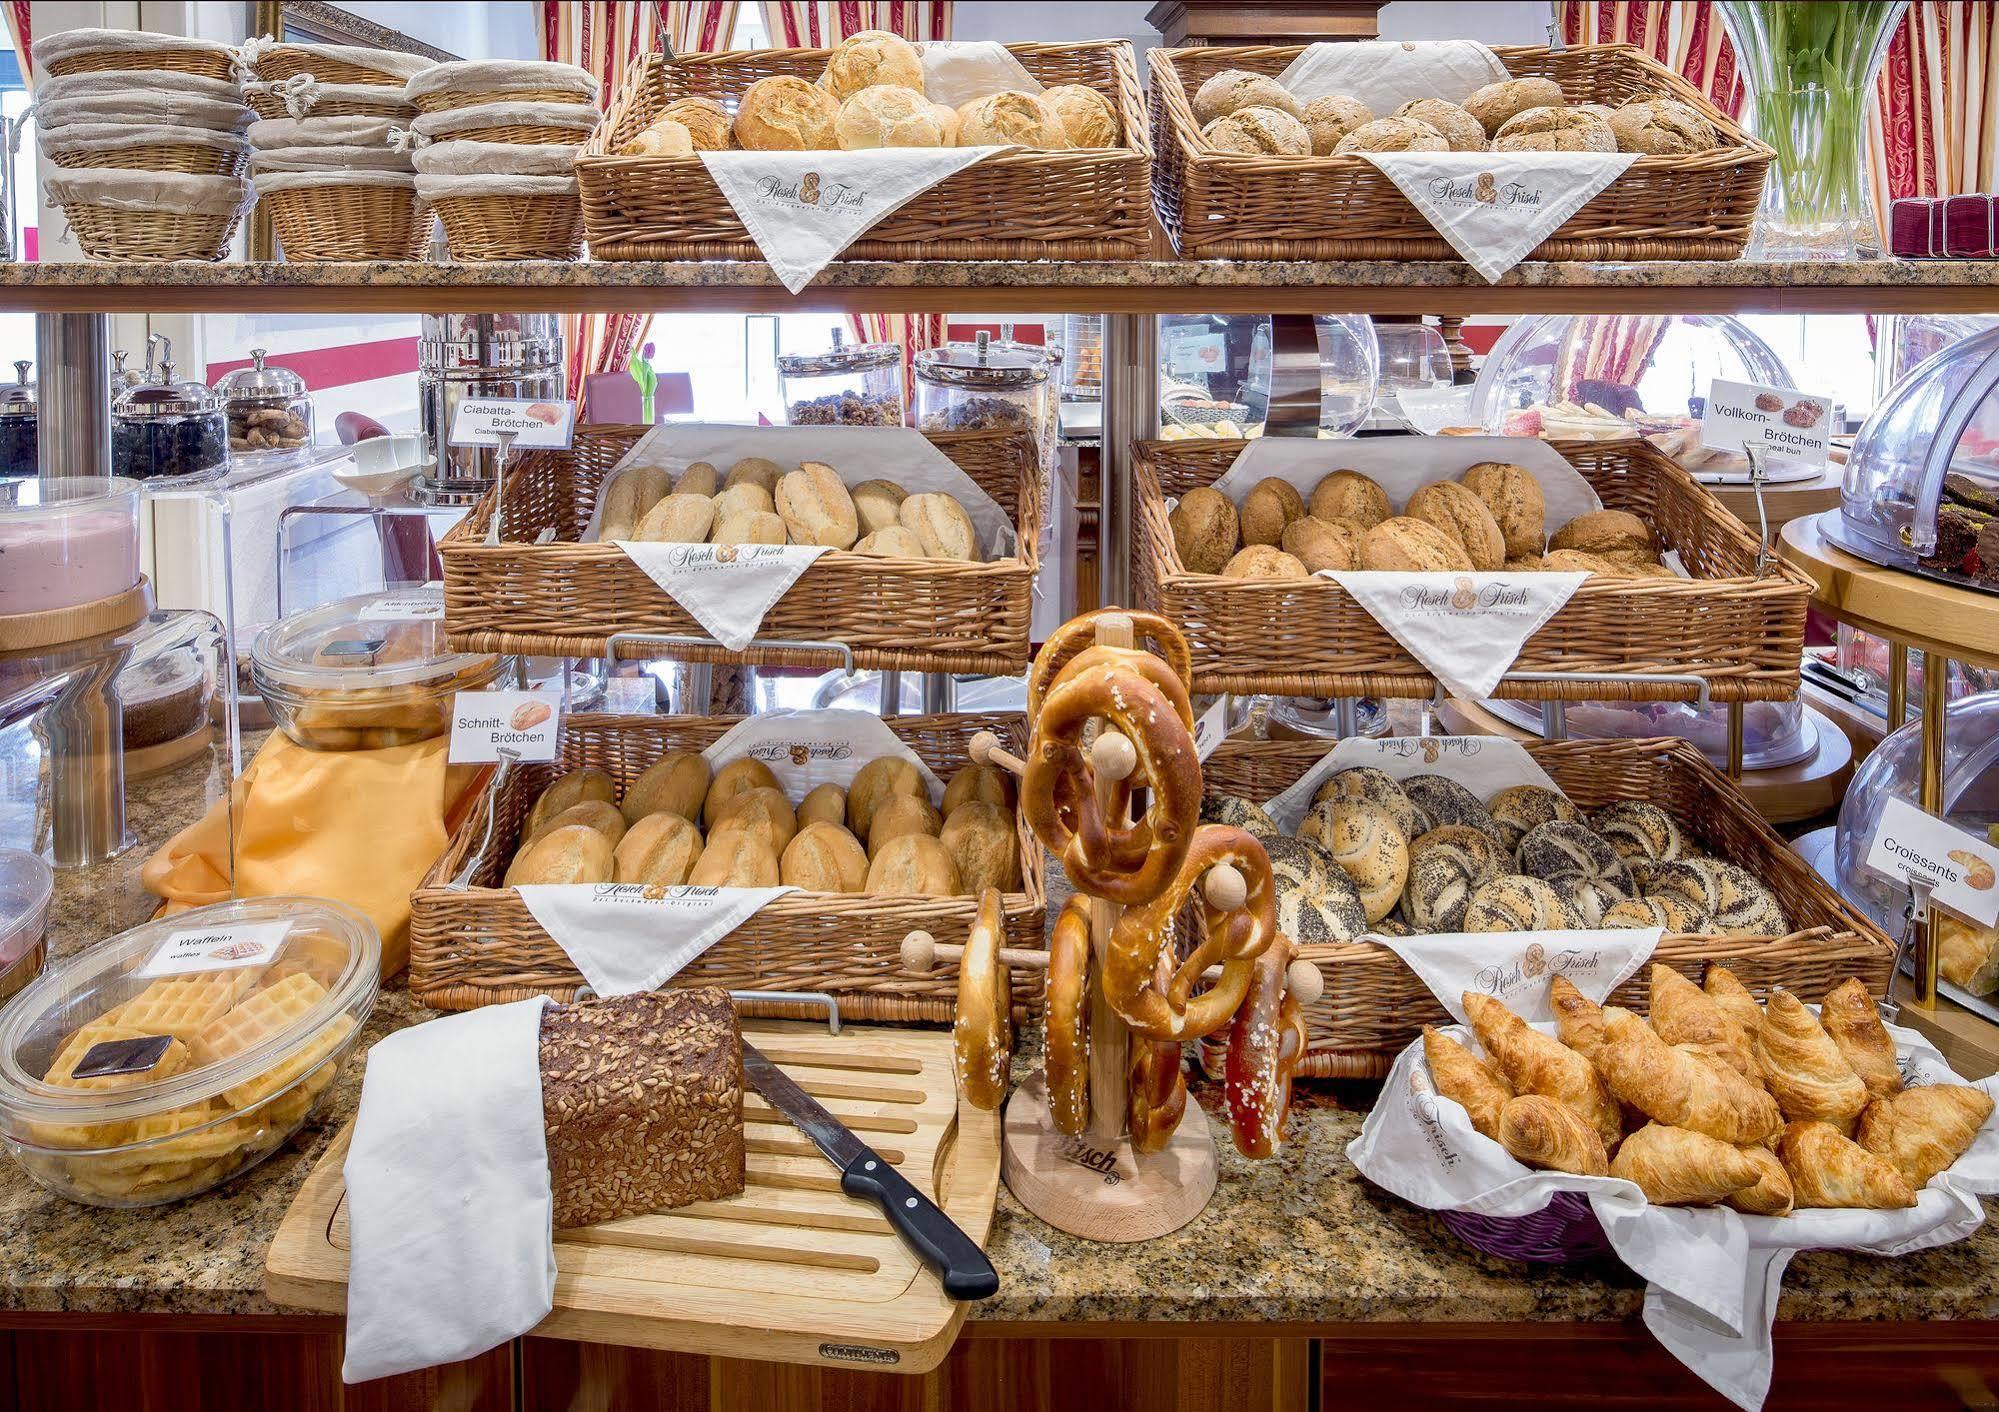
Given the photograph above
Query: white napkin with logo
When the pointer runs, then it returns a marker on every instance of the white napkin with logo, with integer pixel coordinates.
(1516, 967)
(1495, 207)
(1468, 629)
(1482, 764)
(450, 1214)
(625, 938)
(955, 71)
(805, 749)
(1386, 74)
(727, 588)
(1712, 1275)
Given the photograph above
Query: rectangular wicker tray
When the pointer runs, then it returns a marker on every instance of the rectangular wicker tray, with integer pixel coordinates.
(479, 945)
(566, 598)
(1219, 205)
(1743, 632)
(1016, 205)
(1374, 1005)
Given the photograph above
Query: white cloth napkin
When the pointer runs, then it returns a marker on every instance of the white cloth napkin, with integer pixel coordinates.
(450, 1214)
(1385, 75)
(1482, 764)
(805, 749)
(803, 208)
(1468, 629)
(955, 71)
(727, 588)
(1516, 967)
(1495, 207)
(625, 938)
(1712, 1275)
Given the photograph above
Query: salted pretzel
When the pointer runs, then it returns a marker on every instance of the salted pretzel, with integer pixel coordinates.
(1266, 1046)
(982, 1032)
(1103, 855)
(1066, 1055)
(1157, 1093)
(1232, 938)
(1079, 634)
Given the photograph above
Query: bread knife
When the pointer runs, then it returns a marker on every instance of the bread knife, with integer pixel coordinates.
(865, 1173)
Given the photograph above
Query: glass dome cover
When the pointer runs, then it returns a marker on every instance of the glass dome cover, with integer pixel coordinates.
(1922, 485)
(1774, 733)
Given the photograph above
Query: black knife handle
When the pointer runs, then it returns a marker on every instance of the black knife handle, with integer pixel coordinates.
(966, 1272)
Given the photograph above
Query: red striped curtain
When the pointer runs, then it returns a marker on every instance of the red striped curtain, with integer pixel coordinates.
(20, 29)
(1686, 36)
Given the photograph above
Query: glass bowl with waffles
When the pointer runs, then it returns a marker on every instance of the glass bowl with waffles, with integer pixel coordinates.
(167, 1060)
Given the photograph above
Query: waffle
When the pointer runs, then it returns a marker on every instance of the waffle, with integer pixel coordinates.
(182, 1005)
(257, 1018)
(311, 953)
(281, 1074)
(192, 1149)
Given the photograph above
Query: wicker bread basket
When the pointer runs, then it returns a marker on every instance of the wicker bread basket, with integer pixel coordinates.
(1374, 1005)
(282, 61)
(113, 233)
(566, 598)
(1016, 205)
(1742, 631)
(516, 226)
(270, 104)
(1222, 206)
(209, 63)
(478, 945)
(194, 158)
(348, 222)
(446, 100)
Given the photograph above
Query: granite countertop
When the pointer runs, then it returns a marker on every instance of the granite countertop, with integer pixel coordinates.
(1301, 1238)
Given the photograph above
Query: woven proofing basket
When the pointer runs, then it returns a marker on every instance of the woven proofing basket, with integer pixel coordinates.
(189, 157)
(565, 599)
(207, 63)
(480, 946)
(113, 233)
(1221, 206)
(1741, 631)
(348, 222)
(447, 100)
(498, 227)
(1015, 205)
(1374, 1005)
(391, 105)
(521, 134)
(283, 61)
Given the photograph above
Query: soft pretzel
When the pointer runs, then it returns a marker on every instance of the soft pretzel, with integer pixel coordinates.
(1105, 856)
(982, 1033)
(1080, 633)
(1139, 660)
(1234, 939)
(1157, 1088)
(1066, 1057)
(1266, 1046)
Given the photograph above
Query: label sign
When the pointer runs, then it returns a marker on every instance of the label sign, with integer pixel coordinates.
(1780, 420)
(1961, 869)
(522, 723)
(417, 605)
(1211, 728)
(216, 949)
(537, 426)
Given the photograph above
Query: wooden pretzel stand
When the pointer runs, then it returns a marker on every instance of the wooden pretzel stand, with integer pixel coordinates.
(1131, 1158)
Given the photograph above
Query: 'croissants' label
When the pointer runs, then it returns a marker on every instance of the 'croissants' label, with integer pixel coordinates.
(1468, 629)
(1960, 869)
(489, 725)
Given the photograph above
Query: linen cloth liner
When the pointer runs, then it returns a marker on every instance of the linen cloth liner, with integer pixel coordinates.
(116, 83)
(54, 48)
(126, 190)
(145, 106)
(582, 117)
(271, 133)
(463, 158)
(330, 159)
(113, 137)
(502, 76)
(390, 63)
(443, 188)
(266, 182)
(302, 94)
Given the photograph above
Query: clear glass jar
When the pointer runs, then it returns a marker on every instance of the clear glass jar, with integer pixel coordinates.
(169, 431)
(20, 424)
(269, 413)
(983, 386)
(858, 385)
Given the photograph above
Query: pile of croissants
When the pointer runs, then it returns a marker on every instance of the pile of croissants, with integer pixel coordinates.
(1716, 1100)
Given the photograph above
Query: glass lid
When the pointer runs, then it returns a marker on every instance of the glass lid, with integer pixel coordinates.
(391, 637)
(986, 365)
(17, 399)
(260, 381)
(1774, 733)
(842, 357)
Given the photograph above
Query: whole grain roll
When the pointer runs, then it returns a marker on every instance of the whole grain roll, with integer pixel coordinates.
(735, 858)
(1331, 118)
(1577, 561)
(707, 122)
(759, 471)
(763, 812)
(743, 773)
(901, 814)
(784, 113)
(1662, 127)
(824, 858)
(660, 850)
(875, 782)
(941, 526)
(878, 504)
(1351, 497)
(676, 783)
(573, 854)
(816, 507)
(1011, 119)
(743, 498)
(698, 479)
(1206, 530)
(870, 58)
(1087, 117)
(1264, 561)
(1232, 90)
(1393, 135)
(1516, 502)
(1605, 532)
(1493, 104)
(677, 519)
(1458, 512)
(750, 527)
(915, 865)
(824, 803)
(1272, 503)
(1407, 545)
(566, 790)
(1322, 544)
(980, 839)
(978, 782)
(1258, 132)
(888, 116)
(1460, 129)
(894, 542)
(1554, 130)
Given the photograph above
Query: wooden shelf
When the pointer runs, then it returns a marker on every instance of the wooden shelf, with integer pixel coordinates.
(1960, 623)
(1139, 287)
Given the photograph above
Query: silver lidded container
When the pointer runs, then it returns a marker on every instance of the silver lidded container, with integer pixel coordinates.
(269, 413)
(168, 430)
(983, 386)
(472, 356)
(855, 385)
(20, 425)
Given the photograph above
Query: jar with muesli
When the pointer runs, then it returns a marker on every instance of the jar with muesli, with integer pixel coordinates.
(853, 385)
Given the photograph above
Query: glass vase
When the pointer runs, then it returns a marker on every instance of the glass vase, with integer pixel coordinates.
(1809, 68)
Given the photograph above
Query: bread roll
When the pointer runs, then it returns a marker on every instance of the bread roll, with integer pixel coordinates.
(1521, 809)
(1258, 132)
(980, 839)
(1270, 505)
(750, 527)
(1554, 130)
(899, 814)
(816, 507)
(824, 858)
(1087, 117)
(915, 865)
(875, 782)
(1264, 561)
(1331, 118)
(1369, 848)
(1460, 129)
(1393, 135)
(754, 470)
(1350, 496)
(631, 493)
(677, 519)
(1463, 516)
(1604, 533)
(888, 116)
(1010, 119)
(1576, 561)
(663, 137)
(676, 783)
(941, 526)
(1232, 90)
(1517, 904)
(1322, 544)
(731, 780)
(1407, 545)
(1446, 866)
(894, 542)
(706, 121)
(570, 789)
(763, 812)
(878, 504)
(590, 814)
(823, 804)
(870, 58)
(660, 850)
(1662, 127)
(743, 498)
(1206, 530)
(978, 782)
(784, 113)
(1514, 497)
(1493, 104)
(572, 854)
(698, 479)
(735, 858)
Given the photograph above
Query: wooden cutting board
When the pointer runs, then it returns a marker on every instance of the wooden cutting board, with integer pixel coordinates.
(792, 1270)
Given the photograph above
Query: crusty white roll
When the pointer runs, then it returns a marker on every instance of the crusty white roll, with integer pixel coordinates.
(871, 58)
(784, 113)
(1010, 118)
(888, 116)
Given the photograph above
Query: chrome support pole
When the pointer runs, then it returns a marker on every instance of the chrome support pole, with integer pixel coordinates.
(891, 693)
(1131, 413)
(940, 693)
(73, 376)
(1554, 720)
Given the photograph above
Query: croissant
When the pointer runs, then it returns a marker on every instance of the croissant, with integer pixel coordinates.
(1675, 1167)
(1771, 1196)
(1827, 1168)
(1578, 1019)
(1683, 1088)
(1923, 1130)
(1544, 1133)
(1462, 1075)
(1539, 1063)
(1849, 1016)
(1803, 1068)
(1734, 998)
(1683, 1013)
